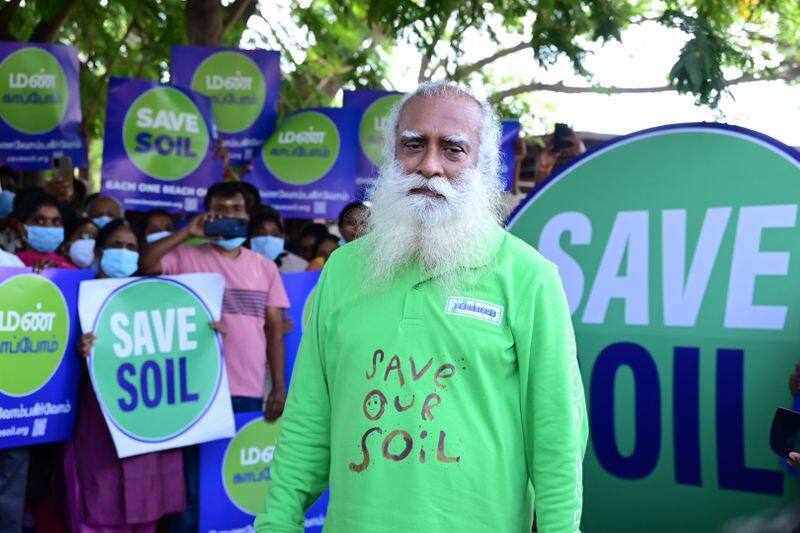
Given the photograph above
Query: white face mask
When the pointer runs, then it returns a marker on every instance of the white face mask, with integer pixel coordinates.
(153, 237)
(81, 252)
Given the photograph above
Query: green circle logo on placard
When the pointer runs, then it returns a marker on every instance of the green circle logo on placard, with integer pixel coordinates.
(164, 134)
(34, 331)
(34, 91)
(246, 465)
(372, 127)
(156, 364)
(679, 251)
(304, 148)
(236, 87)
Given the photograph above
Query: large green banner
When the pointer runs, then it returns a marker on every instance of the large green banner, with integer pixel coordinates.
(680, 255)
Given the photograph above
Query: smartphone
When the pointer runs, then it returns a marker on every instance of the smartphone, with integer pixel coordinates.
(62, 168)
(227, 228)
(562, 137)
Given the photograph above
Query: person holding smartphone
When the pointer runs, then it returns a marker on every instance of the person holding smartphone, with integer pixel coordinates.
(252, 309)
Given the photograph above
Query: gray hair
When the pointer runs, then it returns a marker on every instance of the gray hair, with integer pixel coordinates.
(490, 135)
(98, 197)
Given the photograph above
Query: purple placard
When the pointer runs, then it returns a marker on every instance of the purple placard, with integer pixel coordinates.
(511, 129)
(159, 149)
(243, 86)
(372, 106)
(46, 414)
(218, 512)
(307, 167)
(40, 106)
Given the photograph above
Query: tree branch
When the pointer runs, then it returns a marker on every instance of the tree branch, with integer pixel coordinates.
(463, 71)
(109, 64)
(237, 11)
(430, 48)
(47, 30)
(788, 74)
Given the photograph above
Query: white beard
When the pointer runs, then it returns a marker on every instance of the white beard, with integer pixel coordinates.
(446, 235)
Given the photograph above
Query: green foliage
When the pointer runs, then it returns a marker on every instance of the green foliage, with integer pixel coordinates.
(328, 45)
(698, 70)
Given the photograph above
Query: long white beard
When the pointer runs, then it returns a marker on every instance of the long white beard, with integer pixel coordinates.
(446, 235)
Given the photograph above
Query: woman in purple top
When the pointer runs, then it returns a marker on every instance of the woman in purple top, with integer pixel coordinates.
(106, 494)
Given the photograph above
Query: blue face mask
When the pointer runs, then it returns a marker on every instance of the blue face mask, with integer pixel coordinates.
(6, 203)
(81, 252)
(44, 239)
(268, 246)
(153, 237)
(230, 244)
(119, 262)
(102, 221)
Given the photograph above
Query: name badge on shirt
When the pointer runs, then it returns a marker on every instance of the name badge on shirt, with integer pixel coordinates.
(472, 308)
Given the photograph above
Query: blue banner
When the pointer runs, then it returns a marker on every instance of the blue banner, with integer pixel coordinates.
(40, 106)
(374, 108)
(243, 86)
(511, 130)
(235, 473)
(159, 148)
(39, 367)
(307, 167)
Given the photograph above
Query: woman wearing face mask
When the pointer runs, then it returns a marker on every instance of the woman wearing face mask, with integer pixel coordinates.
(104, 209)
(267, 238)
(41, 226)
(105, 493)
(79, 246)
(156, 225)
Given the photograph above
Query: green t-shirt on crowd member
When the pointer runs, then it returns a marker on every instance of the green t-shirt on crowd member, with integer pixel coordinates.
(427, 409)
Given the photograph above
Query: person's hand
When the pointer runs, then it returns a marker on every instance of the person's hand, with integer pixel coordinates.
(794, 460)
(41, 264)
(288, 325)
(276, 401)
(85, 344)
(219, 327)
(794, 380)
(221, 153)
(196, 227)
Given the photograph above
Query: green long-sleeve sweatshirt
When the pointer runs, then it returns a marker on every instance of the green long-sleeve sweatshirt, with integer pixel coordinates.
(427, 409)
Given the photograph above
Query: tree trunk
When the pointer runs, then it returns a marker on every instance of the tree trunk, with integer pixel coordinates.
(204, 22)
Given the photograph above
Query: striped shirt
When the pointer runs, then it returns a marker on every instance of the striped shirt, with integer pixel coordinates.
(252, 283)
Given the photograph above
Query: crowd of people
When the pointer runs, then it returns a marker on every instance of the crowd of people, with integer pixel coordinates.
(81, 485)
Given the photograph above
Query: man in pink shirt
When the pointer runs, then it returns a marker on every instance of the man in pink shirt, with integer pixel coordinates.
(252, 312)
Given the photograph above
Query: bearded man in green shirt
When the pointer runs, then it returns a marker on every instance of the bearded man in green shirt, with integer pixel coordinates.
(437, 387)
